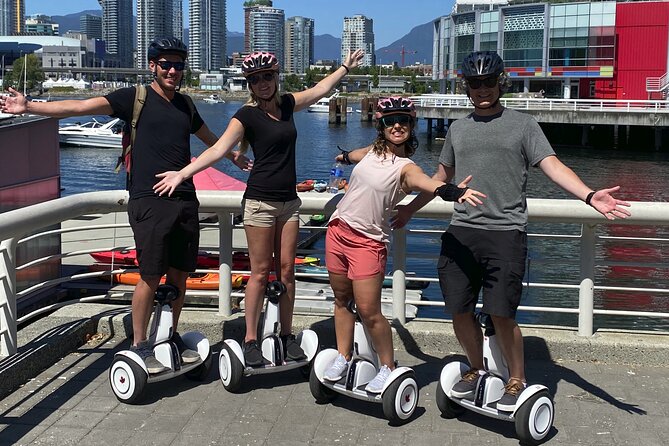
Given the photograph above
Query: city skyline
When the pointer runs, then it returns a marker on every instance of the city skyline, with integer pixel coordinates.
(389, 23)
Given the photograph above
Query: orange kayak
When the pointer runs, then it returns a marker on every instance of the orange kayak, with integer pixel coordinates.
(195, 281)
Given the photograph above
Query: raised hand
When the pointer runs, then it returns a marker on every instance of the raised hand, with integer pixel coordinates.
(15, 104)
(354, 59)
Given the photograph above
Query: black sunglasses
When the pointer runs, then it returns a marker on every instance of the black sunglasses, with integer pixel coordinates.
(390, 121)
(475, 83)
(167, 65)
(267, 76)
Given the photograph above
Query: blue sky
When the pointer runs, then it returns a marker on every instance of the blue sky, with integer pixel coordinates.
(392, 18)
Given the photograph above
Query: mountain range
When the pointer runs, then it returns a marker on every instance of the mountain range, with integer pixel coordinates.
(416, 45)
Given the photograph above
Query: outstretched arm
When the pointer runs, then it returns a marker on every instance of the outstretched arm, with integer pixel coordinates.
(414, 179)
(305, 98)
(237, 158)
(601, 200)
(230, 138)
(354, 156)
(17, 104)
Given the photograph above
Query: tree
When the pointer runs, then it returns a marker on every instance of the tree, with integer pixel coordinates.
(309, 78)
(33, 73)
(375, 79)
(292, 82)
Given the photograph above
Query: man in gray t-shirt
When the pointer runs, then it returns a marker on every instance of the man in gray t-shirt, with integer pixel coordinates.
(485, 247)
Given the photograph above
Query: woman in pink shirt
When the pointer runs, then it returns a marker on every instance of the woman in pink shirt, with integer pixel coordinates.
(359, 229)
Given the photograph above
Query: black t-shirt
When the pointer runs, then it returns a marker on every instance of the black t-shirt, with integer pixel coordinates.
(273, 176)
(162, 139)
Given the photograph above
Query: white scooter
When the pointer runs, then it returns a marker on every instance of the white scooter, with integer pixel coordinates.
(534, 411)
(400, 392)
(231, 362)
(128, 375)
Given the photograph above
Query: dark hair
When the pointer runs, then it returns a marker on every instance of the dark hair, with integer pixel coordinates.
(379, 144)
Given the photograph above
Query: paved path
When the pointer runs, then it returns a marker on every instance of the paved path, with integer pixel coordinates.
(71, 403)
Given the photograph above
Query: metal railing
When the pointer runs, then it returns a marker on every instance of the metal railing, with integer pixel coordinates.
(601, 105)
(656, 84)
(16, 225)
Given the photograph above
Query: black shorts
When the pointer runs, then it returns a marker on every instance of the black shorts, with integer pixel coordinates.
(167, 233)
(474, 259)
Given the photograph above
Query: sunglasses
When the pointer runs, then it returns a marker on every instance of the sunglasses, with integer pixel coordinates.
(475, 83)
(258, 77)
(167, 65)
(390, 121)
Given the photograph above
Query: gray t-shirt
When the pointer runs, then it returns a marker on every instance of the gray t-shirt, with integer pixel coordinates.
(497, 151)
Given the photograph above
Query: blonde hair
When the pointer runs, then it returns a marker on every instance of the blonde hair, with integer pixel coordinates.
(253, 102)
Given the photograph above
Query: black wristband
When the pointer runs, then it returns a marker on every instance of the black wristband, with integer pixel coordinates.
(346, 68)
(346, 159)
(588, 199)
(450, 192)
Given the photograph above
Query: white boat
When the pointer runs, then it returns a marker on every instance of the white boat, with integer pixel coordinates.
(213, 99)
(323, 105)
(93, 134)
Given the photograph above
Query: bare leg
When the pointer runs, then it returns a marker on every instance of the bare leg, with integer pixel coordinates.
(511, 342)
(469, 334)
(285, 244)
(367, 294)
(344, 319)
(260, 256)
(142, 303)
(177, 278)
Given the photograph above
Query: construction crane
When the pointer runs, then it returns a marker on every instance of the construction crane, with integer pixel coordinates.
(402, 52)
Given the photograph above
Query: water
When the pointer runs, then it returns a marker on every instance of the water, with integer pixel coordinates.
(639, 174)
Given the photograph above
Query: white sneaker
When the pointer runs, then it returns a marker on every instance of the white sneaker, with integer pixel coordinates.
(376, 385)
(337, 369)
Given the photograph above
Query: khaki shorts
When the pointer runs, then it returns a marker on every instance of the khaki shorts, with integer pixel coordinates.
(265, 214)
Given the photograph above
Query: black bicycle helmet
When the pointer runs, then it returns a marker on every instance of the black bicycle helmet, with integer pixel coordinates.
(482, 63)
(166, 45)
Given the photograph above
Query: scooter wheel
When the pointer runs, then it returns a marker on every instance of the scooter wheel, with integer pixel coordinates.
(400, 399)
(534, 418)
(320, 393)
(127, 380)
(448, 407)
(230, 368)
(201, 372)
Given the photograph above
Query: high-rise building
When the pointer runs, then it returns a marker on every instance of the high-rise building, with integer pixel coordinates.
(299, 44)
(12, 17)
(41, 25)
(91, 25)
(156, 18)
(358, 34)
(206, 35)
(117, 32)
(266, 30)
(249, 6)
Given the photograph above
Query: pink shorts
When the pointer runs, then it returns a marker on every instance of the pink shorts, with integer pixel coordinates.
(349, 252)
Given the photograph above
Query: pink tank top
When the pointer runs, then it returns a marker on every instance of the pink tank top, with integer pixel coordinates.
(374, 191)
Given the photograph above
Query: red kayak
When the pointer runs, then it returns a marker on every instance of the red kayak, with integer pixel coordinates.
(205, 260)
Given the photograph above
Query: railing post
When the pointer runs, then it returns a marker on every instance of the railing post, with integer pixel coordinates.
(399, 276)
(586, 291)
(8, 338)
(225, 263)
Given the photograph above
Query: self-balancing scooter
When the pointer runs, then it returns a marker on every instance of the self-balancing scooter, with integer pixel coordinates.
(128, 375)
(231, 362)
(399, 396)
(534, 411)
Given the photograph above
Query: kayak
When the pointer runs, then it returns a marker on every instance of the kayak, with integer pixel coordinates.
(305, 186)
(205, 260)
(195, 281)
(411, 284)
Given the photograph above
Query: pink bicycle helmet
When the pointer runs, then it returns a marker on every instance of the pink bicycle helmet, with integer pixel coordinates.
(259, 61)
(395, 105)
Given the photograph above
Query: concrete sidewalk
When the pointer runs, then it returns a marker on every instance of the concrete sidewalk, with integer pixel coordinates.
(601, 402)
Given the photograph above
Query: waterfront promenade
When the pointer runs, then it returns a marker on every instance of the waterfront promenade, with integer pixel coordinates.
(610, 389)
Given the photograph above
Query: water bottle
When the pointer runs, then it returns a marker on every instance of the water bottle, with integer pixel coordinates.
(336, 174)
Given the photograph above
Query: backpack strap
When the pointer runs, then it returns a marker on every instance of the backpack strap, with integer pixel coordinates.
(140, 99)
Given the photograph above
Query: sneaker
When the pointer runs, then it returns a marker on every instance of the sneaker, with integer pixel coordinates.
(188, 356)
(376, 385)
(144, 351)
(511, 392)
(252, 354)
(337, 370)
(292, 349)
(466, 387)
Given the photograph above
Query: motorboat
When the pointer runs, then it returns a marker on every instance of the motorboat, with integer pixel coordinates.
(213, 99)
(323, 105)
(93, 133)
